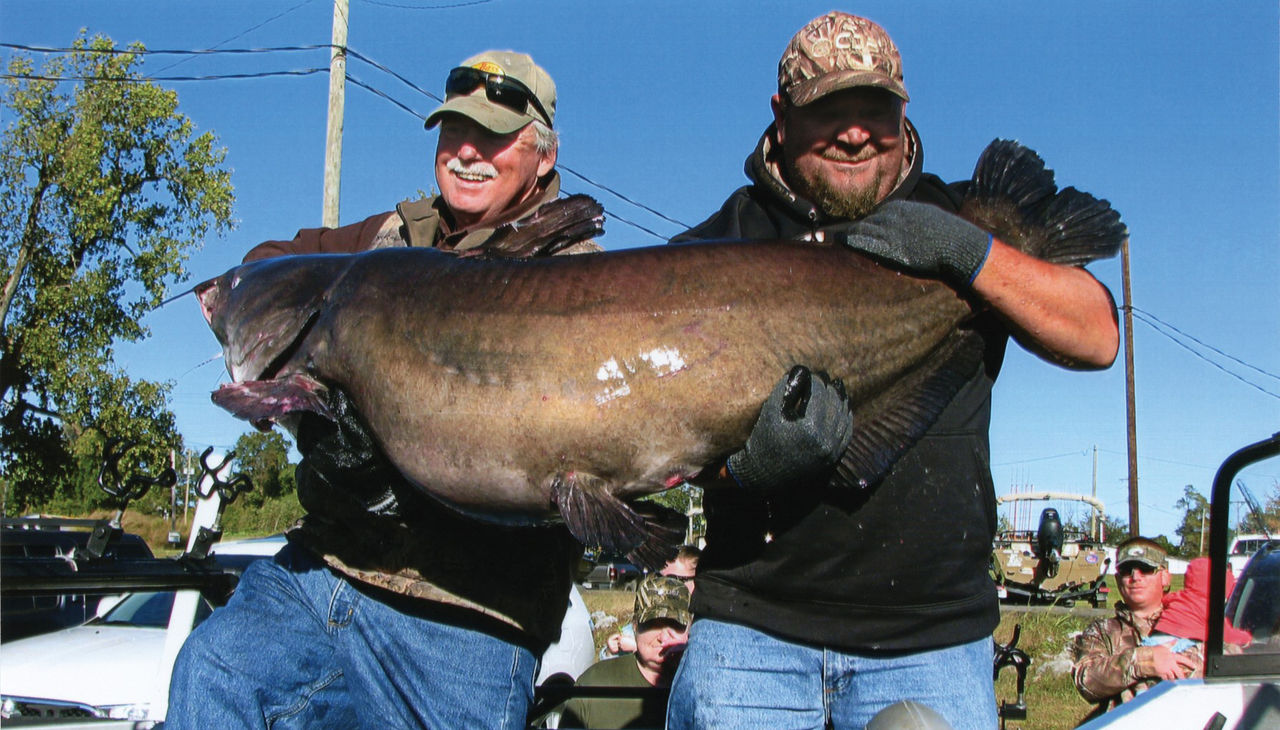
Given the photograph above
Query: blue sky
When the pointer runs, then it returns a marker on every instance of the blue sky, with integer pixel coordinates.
(1167, 109)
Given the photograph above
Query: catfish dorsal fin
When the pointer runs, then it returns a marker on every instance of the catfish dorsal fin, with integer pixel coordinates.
(554, 226)
(1013, 195)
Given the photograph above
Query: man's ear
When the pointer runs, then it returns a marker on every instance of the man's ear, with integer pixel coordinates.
(547, 162)
(779, 114)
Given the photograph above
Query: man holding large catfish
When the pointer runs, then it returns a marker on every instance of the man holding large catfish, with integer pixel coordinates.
(818, 605)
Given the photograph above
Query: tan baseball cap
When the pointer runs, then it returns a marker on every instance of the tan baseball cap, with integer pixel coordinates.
(839, 51)
(506, 107)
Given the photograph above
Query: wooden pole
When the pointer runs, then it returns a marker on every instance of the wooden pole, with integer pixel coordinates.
(337, 101)
(1130, 407)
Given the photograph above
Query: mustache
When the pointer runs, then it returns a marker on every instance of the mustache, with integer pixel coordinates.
(837, 154)
(478, 168)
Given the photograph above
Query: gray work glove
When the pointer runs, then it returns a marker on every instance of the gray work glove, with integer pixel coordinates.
(802, 431)
(921, 239)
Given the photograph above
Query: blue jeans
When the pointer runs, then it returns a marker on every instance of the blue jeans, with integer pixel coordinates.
(732, 676)
(299, 647)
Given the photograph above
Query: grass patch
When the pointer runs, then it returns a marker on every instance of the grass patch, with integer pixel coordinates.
(610, 611)
(1051, 697)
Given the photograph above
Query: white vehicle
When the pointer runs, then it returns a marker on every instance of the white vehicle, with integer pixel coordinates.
(117, 665)
(1243, 547)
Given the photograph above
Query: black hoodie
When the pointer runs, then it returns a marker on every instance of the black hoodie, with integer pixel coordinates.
(900, 566)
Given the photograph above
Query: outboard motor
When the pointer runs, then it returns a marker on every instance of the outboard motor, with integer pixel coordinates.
(1049, 539)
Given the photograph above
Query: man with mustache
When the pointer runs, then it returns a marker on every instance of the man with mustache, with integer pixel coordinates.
(818, 607)
(387, 608)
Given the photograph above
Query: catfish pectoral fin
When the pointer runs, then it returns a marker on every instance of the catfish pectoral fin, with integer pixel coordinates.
(598, 518)
(886, 426)
(269, 400)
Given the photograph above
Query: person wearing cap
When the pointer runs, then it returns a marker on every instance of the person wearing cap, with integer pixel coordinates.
(495, 163)
(386, 607)
(683, 566)
(662, 619)
(1110, 664)
(816, 608)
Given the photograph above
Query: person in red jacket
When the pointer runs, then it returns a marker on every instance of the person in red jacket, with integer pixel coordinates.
(1184, 622)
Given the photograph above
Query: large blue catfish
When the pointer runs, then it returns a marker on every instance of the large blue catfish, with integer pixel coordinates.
(522, 390)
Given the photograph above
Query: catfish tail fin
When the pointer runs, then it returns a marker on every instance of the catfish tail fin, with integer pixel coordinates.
(1013, 195)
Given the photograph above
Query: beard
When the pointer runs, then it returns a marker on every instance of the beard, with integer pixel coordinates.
(832, 200)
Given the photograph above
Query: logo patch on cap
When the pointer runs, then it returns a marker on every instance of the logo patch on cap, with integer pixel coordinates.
(490, 67)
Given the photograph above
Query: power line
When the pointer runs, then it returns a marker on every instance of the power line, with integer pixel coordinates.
(401, 6)
(163, 51)
(1159, 326)
(1203, 344)
(144, 79)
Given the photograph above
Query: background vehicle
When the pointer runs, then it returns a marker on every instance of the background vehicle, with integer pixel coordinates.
(115, 664)
(1244, 546)
(1050, 564)
(610, 571)
(118, 663)
(53, 539)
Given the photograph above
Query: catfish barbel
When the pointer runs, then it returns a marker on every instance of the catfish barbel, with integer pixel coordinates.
(519, 390)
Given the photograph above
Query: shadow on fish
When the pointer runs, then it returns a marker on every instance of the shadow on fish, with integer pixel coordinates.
(525, 390)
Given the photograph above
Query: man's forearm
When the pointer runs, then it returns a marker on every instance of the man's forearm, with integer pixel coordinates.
(1099, 676)
(1061, 313)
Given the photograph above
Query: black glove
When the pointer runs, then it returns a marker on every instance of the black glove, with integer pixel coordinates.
(342, 467)
(801, 433)
(921, 239)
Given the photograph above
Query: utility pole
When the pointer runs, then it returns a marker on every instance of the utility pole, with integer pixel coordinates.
(1130, 406)
(337, 101)
(1093, 516)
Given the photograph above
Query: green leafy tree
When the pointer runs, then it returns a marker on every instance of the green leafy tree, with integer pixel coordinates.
(105, 189)
(264, 458)
(685, 500)
(1193, 534)
(1115, 530)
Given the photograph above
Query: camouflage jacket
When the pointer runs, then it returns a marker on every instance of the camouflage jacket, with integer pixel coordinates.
(1109, 663)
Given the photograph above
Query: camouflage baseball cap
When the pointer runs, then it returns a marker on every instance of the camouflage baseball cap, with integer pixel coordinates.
(839, 51)
(662, 596)
(1142, 551)
(509, 109)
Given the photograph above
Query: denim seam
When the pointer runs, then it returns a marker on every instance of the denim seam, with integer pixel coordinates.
(340, 588)
(303, 701)
(514, 689)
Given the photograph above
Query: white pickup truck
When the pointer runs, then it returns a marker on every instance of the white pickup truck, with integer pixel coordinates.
(1243, 547)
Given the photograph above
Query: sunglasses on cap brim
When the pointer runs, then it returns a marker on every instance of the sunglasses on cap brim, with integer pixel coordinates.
(499, 89)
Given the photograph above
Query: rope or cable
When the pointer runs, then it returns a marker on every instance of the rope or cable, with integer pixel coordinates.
(384, 95)
(399, 6)
(242, 33)
(143, 79)
(361, 57)
(161, 51)
(1158, 326)
(638, 204)
(1149, 315)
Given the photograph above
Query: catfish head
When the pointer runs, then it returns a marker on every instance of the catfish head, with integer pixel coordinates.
(261, 313)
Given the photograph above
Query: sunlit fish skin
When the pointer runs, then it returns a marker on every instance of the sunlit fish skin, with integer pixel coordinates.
(519, 390)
